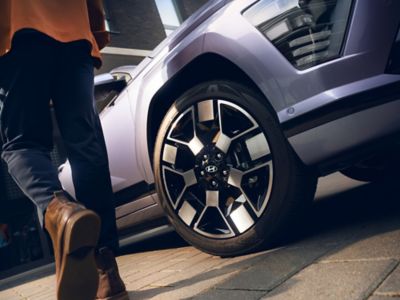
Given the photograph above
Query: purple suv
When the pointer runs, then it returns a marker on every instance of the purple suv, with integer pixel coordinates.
(227, 125)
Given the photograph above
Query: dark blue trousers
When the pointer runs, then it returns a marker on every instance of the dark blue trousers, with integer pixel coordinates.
(37, 70)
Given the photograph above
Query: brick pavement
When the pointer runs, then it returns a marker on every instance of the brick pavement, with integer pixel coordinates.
(347, 248)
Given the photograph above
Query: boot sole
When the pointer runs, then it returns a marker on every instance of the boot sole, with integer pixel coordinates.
(78, 278)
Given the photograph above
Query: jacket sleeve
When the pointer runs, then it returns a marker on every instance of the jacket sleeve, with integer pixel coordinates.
(97, 22)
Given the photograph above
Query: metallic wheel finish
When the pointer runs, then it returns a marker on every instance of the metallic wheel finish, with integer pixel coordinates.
(217, 168)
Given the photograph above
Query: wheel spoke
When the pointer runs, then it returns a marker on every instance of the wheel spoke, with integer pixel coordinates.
(212, 198)
(257, 146)
(243, 113)
(212, 203)
(225, 221)
(195, 145)
(239, 135)
(205, 110)
(235, 178)
(228, 232)
(169, 154)
(269, 163)
(187, 213)
(267, 185)
(242, 219)
(200, 218)
(223, 142)
(241, 199)
(183, 129)
(189, 179)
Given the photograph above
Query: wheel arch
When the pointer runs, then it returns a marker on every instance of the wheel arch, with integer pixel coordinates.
(196, 72)
(291, 173)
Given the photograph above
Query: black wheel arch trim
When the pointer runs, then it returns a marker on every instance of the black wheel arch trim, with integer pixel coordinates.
(342, 108)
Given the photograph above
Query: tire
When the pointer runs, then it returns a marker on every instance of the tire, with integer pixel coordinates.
(229, 191)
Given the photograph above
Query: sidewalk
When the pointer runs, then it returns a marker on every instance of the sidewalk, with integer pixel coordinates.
(349, 248)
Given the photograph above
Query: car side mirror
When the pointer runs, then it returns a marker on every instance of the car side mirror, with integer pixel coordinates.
(106, 90)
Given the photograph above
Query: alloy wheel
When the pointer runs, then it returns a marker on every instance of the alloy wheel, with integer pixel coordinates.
(217, 168)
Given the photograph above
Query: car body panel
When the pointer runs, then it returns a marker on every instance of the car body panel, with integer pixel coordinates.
(335, 94)
(118, 129)
(347, 133)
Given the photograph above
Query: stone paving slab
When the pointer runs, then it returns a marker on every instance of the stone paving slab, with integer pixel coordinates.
(383, 245)
(391, 286)
(170, 270)
(339, 280)
(375, 297)
(230, 294)
(143, 269)
(10, 295)
(274, 269)
(43, 289)
(211, 267)
(197, 278)
(183, 292)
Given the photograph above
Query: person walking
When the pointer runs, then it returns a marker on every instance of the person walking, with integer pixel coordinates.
(48, 51)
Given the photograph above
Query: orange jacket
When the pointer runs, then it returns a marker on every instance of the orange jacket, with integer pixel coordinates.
(63, 20)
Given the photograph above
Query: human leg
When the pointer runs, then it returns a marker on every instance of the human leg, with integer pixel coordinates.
(26, 131)
(25, 125)
(83, 138)
(84, 142)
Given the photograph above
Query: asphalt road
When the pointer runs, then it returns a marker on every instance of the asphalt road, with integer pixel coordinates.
(347, 247)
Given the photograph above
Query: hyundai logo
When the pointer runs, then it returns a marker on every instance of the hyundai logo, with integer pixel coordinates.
(211, 169)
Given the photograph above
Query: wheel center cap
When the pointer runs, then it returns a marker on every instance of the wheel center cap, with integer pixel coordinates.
(211, 169)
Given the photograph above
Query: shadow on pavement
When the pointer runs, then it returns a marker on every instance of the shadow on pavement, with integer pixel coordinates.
(166, 241)
(364, 206)
(340, 219)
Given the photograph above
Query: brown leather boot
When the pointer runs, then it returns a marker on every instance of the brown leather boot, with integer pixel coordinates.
(111, 286)
(74, 231)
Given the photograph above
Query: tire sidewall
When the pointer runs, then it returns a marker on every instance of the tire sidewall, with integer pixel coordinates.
(269, 222)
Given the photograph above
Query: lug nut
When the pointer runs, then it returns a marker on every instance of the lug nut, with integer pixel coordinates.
(214, 183)
(205, 156)
(202, 173)
(219, 155)
(225, 172)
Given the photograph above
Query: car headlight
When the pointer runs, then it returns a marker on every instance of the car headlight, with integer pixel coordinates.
(306, 32)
